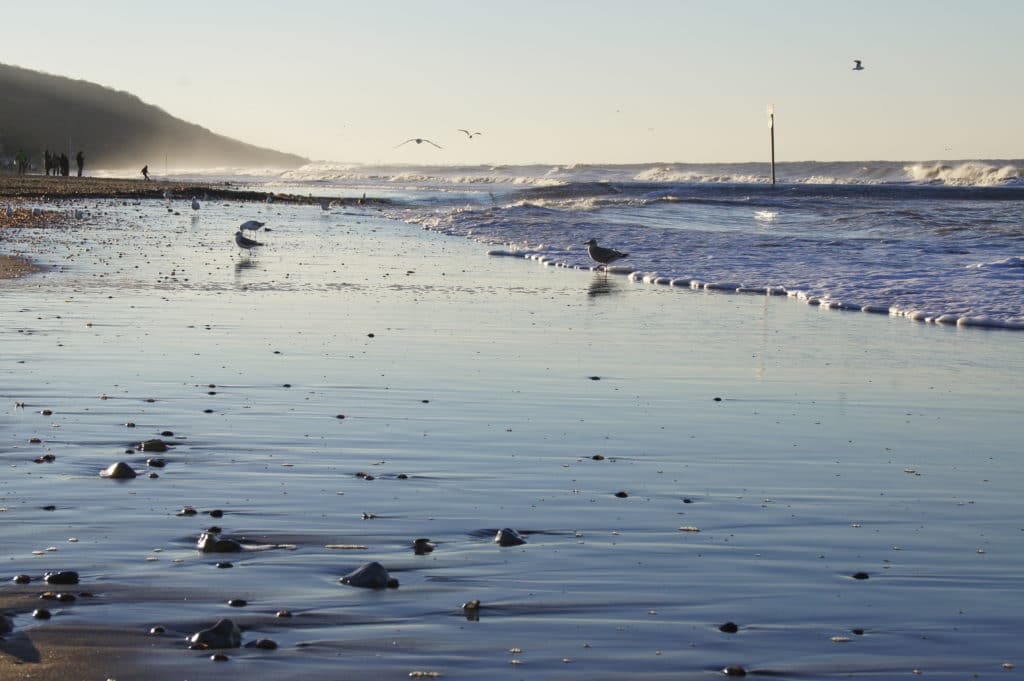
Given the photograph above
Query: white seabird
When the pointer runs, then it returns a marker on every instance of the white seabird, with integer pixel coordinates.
(195, 203)
(469, 134)
(604, 256)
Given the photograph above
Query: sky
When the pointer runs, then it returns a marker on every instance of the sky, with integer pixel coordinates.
(556, 81)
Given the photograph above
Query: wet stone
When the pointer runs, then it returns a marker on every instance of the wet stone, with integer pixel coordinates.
(622, 494)
(157, 630)
(167, 433)
(187, 511)
(422, 546)
(216, 513)
(370, 576)
(506, 536)
(734, 671)
(238, 602)
(6, 625)
(283, 613)
(598, 457)
(211, 542)
(156, 463)
(729, 628)
(21, 579)
(41, 614)
(219, 657)
(860, 575)
(225, 565)
(118, 471)
(262, 644)
(223, 634)
(153, 446)
(62, 577)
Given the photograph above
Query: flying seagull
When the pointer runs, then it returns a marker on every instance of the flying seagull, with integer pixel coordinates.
(857, 66)
(604, 256)
(469, 134)
(419, 140)
(245, 242)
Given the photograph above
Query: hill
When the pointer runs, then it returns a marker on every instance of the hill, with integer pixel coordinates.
(115, 129)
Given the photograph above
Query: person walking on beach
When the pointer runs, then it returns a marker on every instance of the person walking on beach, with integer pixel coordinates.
(47, 162)
(22, 161)
(145, 171)
(80, 158)
(65, 165)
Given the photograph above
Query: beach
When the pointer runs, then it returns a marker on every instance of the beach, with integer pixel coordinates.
(843, 488)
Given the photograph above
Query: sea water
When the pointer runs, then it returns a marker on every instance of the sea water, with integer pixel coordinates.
(932, 242)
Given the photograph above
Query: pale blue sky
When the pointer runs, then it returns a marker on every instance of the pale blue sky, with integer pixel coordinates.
(556, 81)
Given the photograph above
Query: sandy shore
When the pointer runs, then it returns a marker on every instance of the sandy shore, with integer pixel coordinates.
(676, 460)
(18, 190)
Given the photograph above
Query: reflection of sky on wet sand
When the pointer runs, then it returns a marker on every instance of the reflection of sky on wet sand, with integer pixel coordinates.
(490, 383)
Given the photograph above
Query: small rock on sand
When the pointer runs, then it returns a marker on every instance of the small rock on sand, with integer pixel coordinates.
(118, 471)
(370, 576)
(223, 634)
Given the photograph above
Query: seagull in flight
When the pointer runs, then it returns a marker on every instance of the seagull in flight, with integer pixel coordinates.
(419, 140)
(469, 134)
(604, 256)
(857, 66)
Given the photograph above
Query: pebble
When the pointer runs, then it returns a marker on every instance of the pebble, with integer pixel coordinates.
(283, 613)
(211, 542)
(238, 602)
(41, 614)
(263, 644)
(156, 463)
(622, 495)
(598, 457)
(118, 471)
(508, 537)
(860, 575)
(21, 579)
(422, 546)
(153, 446)
(223, 634)
(62, 577)
(6, 625)
(370, 576)
(471, 605)
(219, 657)
(224, 565)
(157, 630)
(187, 510)
(729, 628)
(734, 671)
(216, 513)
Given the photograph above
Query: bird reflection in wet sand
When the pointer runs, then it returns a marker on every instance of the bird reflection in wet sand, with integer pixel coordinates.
(601, 285)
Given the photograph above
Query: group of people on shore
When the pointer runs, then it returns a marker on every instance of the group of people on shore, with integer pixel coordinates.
(61, 165)
(57, 164)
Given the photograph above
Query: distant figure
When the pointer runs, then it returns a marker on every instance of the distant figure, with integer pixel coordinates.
(604, 256)
(145, 172)
(65, 165)
(857, 66)
(80, 159)
(22, 161)
(195, 203)
(47, 162)
(419, 140)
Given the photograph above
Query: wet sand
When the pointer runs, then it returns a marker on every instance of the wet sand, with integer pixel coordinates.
(674, 461)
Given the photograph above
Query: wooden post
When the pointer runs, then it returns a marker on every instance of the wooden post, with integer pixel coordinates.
(771, 134)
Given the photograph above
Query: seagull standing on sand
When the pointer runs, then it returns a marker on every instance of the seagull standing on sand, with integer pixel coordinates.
(604, 256)
(251, 225)
(245, 242)
(419, 140)
(857, 66)
(469, 134)
(195, 203)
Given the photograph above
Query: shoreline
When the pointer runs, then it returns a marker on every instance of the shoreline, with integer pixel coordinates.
(17, 190)
(21, 188)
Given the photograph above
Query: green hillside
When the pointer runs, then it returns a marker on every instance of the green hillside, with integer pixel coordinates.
(114, 129)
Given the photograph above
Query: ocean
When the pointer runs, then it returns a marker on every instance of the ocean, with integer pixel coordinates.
(936, 242)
